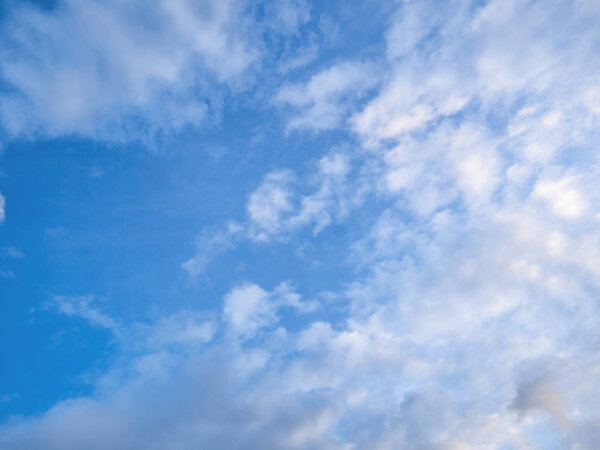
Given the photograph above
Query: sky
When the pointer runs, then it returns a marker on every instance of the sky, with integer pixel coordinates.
(299, 225)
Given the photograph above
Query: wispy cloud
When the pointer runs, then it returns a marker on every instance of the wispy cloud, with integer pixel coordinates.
(469, 318)
(280, 206)
(158, 71)
(323, 102)
(82, 306)
(2, 206)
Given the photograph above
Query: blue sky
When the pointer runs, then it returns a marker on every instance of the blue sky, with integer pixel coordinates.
(294, 224)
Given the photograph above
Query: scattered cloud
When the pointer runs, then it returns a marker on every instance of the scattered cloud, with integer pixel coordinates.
(564, 199)
(288, 16)
(323, 102)
(249, 308)
(158, 71)
(209, 245)
(8, 274)
(2, 208)
(277, 208)
(470, 316)
(82, 306)
(271, 202)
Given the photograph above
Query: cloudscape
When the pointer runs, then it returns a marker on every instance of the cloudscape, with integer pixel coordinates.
(292, 224)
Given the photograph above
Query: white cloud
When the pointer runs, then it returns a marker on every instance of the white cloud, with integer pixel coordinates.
(299, 58)
(471, 318)
(82, 306)
(248, 308)
(184, 328)
(8, 274)
(564, 199)
(447, 165)
(156, 71)
(443, 59)
(323, 102)
(209, 245)
(287, 16)
(2, 206)
(15, 253)
(408, 105)
(453, 329)
(181, 330)
(277, 208)
(270, 203)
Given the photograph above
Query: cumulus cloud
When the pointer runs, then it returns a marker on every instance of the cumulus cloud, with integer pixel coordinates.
(443, 357)
(249, 308)
(564, 199)
(278, 207)
(324, 101)
(271, 201)
(443, 62)
(131, 71)
(281, 205)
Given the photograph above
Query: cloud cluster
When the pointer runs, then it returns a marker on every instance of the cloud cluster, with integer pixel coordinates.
(276, 207)
(284, 203)
(322, 102)
(472, 320)
(117, 71)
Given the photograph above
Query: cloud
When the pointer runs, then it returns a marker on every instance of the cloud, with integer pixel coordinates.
(15, 253)
(187, 329)
(288, 16)
(270, 202)
(564, 199)
(249, 308)
(2, 208)
(82, 306)
(325, 100)
(209, 245)
(426, 358)
(299, 58)
(196, 388)
(448, 164)
(470, 316)
(442, 62)
(277, 208)
(159, 71)
(431, 353)
(179, 330)
(8, 274)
